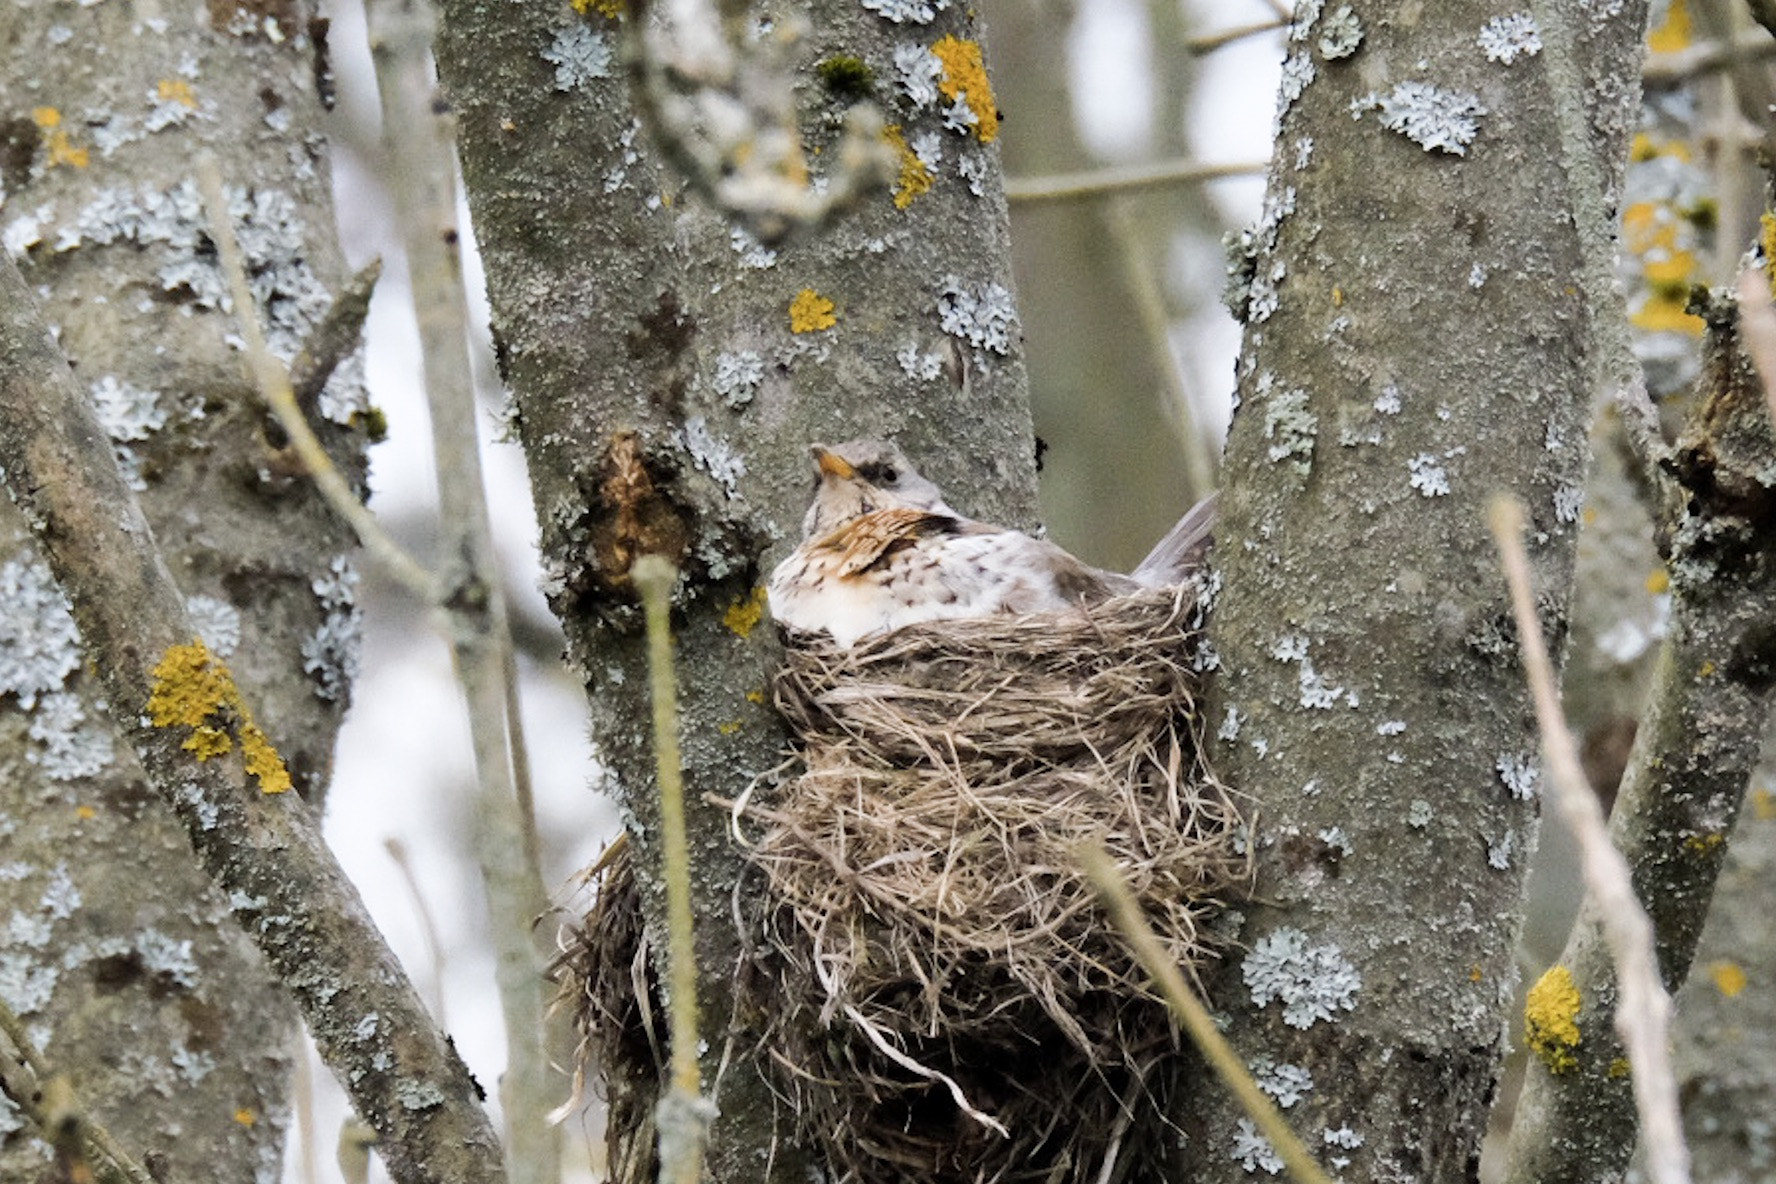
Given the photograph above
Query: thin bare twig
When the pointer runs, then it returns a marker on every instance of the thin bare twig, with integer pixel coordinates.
(1098, 183)
(418, 137)
(48, 1101)
(683, 1115)
(274, 386)
(1150, 305)
(1209, 42)
(428, 928)
(1669, 69)
(1643, 1015)
(1194, 1017)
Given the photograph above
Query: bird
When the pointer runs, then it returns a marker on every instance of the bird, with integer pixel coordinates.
(881, 549)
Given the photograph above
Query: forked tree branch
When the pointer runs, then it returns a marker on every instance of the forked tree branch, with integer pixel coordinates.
(262, 849)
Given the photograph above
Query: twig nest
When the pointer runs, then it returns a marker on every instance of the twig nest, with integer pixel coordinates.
(943, 991)
(934, 987)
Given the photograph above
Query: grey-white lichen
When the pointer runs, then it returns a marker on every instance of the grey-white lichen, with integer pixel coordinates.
(70, 744)
(1507, 38)
(1288, 1084)
(1436, 120)
(579, 54)
(1418, 814)
(917, 71)
(1428, 476)
(1518, 774)
(1291, 429)
(39, 644)
(126, 411)
(1312, 983)
(917, 363)
(918, 12)
(1341, 33)
(737, 376)
(753, 253)
(217, 621)
(1253, 1151)
(1298, 71)
(711, 453)
(330, 653)
(980, 314)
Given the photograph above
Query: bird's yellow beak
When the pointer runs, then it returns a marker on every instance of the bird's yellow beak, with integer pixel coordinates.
(831, 464)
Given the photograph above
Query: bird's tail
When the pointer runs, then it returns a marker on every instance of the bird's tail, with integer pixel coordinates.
(1181, 551)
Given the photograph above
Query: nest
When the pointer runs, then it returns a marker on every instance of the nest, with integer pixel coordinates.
(939, 994)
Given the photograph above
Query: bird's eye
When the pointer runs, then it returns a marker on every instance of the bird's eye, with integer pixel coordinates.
(890, 475)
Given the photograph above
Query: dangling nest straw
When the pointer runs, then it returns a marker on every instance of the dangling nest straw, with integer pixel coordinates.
(943, 998)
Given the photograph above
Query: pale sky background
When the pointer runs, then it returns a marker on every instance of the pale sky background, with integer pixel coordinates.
(404, 767)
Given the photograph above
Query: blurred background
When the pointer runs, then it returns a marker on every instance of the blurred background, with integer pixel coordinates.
(1131, 358)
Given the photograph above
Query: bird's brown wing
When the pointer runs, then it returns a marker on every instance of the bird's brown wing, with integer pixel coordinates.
(866, 540)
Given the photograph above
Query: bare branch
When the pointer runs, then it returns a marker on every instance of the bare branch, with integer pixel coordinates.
(1210, 42)
(1643, 1017)
(684, 1113)
(1757, 327)
(1097, 183)
(262, 849)
(418, 135)
(46, 1098)
(275, 387)
(727, 120)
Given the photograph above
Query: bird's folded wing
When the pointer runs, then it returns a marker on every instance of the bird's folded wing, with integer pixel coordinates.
(864, 541)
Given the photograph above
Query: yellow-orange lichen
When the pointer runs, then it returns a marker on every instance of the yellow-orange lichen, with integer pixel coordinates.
(193, 689)
(965, 78)
(916, 177)
(743, 616)
(1551, 1020)
(811, 312)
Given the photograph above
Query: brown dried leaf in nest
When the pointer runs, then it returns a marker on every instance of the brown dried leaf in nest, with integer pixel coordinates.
(936, 964)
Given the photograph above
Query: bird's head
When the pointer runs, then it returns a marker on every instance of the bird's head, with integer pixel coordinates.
(860, 476)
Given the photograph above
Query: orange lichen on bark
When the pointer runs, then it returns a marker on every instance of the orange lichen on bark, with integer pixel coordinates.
(62, 148)
(916, 177)
(965, 77)
(743, 616)
(1728, 977)
(810, 312)
(1551, 1020)
(1673, 33)
(176, 90)
(193, 689)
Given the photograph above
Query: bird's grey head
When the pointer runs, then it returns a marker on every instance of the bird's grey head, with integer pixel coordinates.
(859, 476)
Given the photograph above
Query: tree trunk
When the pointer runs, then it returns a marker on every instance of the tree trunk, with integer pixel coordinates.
(126, 964)
(1415, 344)
(666, 397)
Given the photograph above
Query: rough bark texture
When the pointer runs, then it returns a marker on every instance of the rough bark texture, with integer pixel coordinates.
(1415, 343)
(666, 401)
(127, 963)
(1726, 1014)
(1693, 758)
(212, 768)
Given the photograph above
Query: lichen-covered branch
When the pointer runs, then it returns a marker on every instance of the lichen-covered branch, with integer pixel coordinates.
(262, 848)
(1369, 694)
(1693, 756)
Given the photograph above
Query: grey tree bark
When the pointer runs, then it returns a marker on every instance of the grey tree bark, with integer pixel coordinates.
(669, 375)
(1415, 343)
(126, 964)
